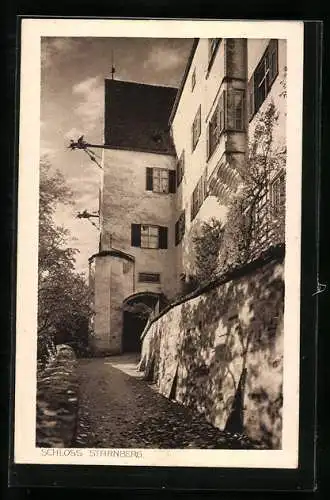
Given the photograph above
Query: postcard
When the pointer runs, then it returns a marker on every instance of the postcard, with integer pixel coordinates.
(159, 234)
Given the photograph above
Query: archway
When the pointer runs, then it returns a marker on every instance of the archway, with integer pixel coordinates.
(136, 311)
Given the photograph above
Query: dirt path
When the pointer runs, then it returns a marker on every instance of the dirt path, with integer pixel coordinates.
(119, 410)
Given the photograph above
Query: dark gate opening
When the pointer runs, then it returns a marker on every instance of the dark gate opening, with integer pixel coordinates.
(137, 310)
(133, 327)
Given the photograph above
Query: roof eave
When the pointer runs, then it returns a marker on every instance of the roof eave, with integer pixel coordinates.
(184, 79)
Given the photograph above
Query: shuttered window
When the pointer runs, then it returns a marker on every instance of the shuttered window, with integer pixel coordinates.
(263, 78)
(235, 110)
(213, 47)
(216, 125)
(277, 192)
(251, 97)
(149, 236)
(180, 227)
(180, 169)
(193, 80)
(196, 128)
(198, 196)
(273, 60)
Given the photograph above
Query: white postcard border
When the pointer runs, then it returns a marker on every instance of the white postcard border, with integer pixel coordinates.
(27, 239)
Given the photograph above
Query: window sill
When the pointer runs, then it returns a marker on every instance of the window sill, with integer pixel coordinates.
(159, 192)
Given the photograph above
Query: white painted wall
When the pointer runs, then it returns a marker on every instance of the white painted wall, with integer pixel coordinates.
(126, 201)
(208, 88)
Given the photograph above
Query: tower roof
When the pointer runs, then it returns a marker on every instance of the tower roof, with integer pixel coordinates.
(137, 116)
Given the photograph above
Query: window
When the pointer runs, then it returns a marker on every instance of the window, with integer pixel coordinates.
(235, 110)
(198, 196)
(193, 80)
(149, 277)
(213, 46)
(127, 266)
(216, 125)
(196, 128)
(180, 169)
(229, 114)
(148, 236)
(263, 77)
(277, 192)
(160, 180)
(180, 227)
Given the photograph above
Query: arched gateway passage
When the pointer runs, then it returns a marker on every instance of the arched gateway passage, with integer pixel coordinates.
(136, 311)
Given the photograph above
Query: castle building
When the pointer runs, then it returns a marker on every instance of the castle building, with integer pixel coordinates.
(171, 156)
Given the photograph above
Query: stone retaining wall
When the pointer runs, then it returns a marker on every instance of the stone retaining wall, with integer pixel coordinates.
(221, 352)
(57, 400)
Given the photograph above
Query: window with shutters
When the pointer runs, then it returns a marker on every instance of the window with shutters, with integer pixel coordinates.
(193, 80)
(263, 78)
(149, 236)
(180, 227)
(235, 110)
(198, 196)
(149, 277)
(216, 125)
(213, 47)
(160, 180)
(196, 128)
(180, 169)
(277, 192)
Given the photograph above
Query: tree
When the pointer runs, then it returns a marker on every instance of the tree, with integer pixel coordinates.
(207, 245)
(246, 222)
(63, 294)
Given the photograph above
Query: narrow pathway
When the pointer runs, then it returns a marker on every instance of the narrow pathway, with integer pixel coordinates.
(119, 410)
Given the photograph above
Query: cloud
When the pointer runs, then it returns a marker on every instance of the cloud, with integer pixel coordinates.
(90, 95)
(163, 59)
(74, 133)
(47, 151)
(53, 48)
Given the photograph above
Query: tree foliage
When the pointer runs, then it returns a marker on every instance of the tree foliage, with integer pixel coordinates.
(243, 233)
(207, 245)
(63, 294)
(248, 229)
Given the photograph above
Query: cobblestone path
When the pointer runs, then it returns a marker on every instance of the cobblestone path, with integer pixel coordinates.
(118, 410)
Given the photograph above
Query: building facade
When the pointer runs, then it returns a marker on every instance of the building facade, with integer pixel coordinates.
(172, 159)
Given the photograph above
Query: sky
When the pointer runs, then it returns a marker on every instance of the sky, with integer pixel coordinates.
(72, 103)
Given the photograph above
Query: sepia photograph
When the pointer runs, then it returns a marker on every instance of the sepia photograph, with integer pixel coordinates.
(159, 204)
